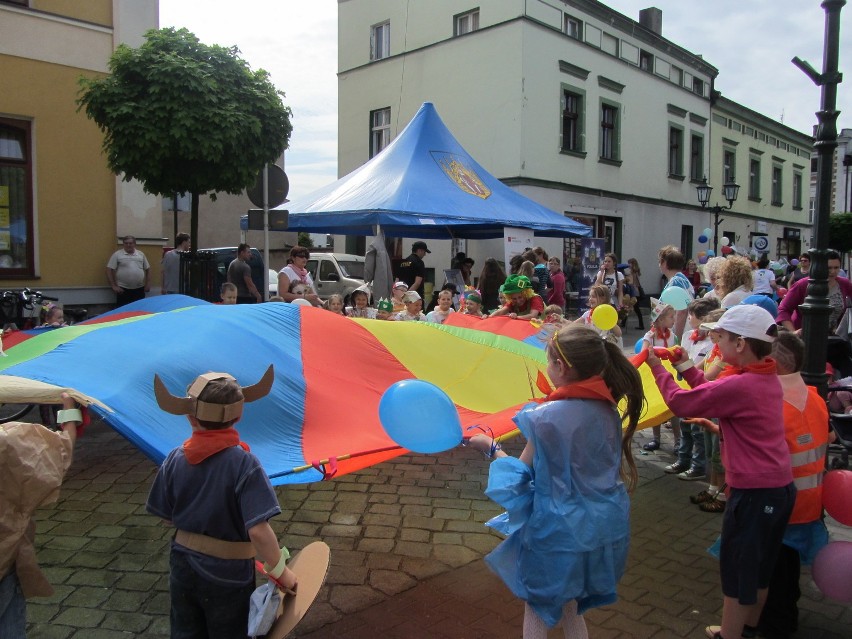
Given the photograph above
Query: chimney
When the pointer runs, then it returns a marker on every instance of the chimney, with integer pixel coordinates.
(652, 19)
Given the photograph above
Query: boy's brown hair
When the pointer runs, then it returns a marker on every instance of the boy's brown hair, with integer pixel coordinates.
(220, 391)
(672, 257)
(701, 307)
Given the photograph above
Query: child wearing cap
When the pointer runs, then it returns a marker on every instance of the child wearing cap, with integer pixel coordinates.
(522, 303)
(754, 452)
(360, 305)
(384, 309)
(661, 336)
(473, 303)
(218, 497)
(413, 308)
(691, 459)
(399, 289)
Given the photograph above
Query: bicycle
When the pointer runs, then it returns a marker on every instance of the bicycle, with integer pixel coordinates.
(21, 310)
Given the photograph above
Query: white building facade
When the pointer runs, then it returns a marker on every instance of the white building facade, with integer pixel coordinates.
(571, 103)
(771, 163)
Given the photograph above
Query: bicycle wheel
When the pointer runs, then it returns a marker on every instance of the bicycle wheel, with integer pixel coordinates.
(13, 412)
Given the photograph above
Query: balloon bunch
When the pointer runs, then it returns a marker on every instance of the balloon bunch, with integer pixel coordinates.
(833, 564)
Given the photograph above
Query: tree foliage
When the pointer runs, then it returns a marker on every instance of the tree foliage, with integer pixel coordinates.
(840, 232)
(182, 116)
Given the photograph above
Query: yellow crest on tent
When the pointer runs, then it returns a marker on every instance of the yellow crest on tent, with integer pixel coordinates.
(461, 174)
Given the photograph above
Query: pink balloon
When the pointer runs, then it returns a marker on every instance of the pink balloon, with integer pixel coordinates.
(837, 496)
(831, 570)
(780, 292)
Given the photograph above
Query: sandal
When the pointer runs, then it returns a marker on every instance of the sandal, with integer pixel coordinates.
(713, 506)
(703, 497)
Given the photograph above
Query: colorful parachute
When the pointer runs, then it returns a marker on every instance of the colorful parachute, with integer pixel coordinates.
(321, 417)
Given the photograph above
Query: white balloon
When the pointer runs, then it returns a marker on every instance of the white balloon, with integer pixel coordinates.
(724, 241)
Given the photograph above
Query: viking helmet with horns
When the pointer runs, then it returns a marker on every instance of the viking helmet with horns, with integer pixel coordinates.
(207, 411)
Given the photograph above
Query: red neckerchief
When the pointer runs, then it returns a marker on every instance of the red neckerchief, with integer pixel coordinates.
(766, 366)
(206, 443)
(591, 388)
(695, 336)
(663, 334)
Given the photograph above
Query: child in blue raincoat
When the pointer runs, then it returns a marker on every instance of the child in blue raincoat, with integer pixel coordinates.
(567, 495)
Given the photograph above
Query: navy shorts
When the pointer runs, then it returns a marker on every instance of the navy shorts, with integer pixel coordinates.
(752, 530)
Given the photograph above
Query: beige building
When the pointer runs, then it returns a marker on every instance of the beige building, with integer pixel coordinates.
(569, 102)
(61, 209)
(771, 163)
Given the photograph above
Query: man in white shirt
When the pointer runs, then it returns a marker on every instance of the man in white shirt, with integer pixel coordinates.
(128, 273)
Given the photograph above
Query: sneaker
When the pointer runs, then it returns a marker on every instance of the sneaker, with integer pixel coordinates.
(691, 474)
(652, 445)
(675, 469)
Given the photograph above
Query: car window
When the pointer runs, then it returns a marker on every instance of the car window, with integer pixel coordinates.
(311, 267)
(352, 268)
(326, 269)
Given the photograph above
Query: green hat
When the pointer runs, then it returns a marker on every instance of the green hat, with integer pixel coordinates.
(385, 305)
(473, 296)
(516, 284)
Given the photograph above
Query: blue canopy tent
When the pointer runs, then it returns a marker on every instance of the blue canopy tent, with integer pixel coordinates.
(424, 185)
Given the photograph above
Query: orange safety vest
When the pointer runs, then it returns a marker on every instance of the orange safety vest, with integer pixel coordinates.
(806, 433)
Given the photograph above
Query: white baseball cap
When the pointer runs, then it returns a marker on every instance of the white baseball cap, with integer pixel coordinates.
(748, 321)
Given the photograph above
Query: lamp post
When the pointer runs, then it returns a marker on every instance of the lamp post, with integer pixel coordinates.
(815, 310)
(730, 190)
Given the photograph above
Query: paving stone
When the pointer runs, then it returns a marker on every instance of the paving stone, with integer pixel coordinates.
(415, 534)
(352, 598)
(390, 582)
(80, 617)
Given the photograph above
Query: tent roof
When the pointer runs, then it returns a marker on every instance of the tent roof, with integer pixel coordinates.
(425, 185)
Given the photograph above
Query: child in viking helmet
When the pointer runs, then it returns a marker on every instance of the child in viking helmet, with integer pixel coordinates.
(218, 497)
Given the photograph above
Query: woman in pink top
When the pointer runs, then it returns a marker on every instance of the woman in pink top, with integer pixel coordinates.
(556, 287)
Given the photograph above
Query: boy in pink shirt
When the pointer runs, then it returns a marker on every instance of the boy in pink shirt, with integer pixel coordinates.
(754, 453)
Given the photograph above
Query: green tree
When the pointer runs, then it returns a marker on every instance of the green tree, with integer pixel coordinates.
(305, 240)
(182, 116)
(840, 232)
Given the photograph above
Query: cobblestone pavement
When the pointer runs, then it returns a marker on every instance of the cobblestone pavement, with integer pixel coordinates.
(407, 544)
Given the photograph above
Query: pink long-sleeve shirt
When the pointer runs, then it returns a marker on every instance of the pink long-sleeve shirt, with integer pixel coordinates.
(749, 407)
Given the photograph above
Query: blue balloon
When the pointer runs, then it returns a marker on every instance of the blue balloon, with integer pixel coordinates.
(676, 297)
(711, 253)
(419, 416)
(702, 239)
(638, 348)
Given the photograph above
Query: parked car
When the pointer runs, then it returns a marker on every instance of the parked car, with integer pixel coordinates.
(227, 254)
(339, 273)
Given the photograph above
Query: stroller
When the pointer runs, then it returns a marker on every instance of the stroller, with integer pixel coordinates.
(839, 355)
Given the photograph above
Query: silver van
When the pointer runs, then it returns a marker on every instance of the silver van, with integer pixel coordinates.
(339, 273)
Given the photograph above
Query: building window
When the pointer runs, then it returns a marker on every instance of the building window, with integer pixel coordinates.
(466, 22)
(698, 86)
(646, 61)
(754, 179)
(380, 41)
(696, 158)
(16, 212)
(675, 151)
(797, 191)
(609, 132)
(379, 130)
(573, 27)
(811, 210)
(572, 121)
(776, 186)
(729, 165)
(677, 75)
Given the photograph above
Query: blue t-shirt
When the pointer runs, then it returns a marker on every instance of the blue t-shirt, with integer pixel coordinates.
(221, 497)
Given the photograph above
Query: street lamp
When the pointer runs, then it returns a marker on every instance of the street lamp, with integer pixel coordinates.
(730, 190)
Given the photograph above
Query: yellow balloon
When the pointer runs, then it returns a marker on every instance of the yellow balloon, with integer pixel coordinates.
(604, 316)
